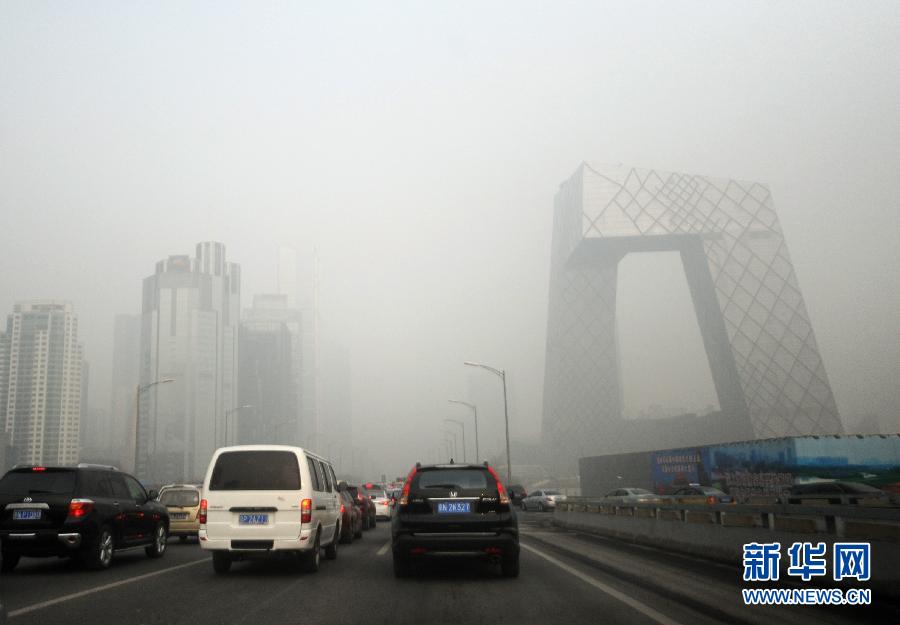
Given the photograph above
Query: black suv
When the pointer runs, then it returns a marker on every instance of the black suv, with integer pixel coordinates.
(454, 508)
(87, 512)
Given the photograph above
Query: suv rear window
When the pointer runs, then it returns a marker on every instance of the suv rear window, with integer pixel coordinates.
(48, 482)
(183, 498)
(453, 478)
(256, 470)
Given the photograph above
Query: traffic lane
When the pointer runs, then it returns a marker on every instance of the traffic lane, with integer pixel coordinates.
(358, 587)
(39, 579)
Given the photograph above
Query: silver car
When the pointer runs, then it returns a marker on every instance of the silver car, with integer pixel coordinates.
(629, 495)
(541, 500)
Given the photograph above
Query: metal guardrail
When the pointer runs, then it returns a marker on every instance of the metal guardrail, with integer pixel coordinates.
(844, 521)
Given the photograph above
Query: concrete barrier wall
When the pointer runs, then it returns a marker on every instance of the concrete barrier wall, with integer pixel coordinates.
(720, 532)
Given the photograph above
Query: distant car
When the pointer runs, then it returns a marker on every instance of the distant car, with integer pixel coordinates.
(86, 512)
(367, 506)
(351, 517)
(630, 495)
(458, 509)
(839, 492)
(183, 503)
(700, 495)
(517, 493)
(541, 500)
(382, 503)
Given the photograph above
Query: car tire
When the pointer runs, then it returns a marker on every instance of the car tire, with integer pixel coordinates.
(182, 539)
(402, 566)
(347, 537)
(221, 562)
(331, 551)
(359, 532)
(509, 565)
(311, 560)
(99, 552)
(541, 507)
(8, 562)
(157, 548)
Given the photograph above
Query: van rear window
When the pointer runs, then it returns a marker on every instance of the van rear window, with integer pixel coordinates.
(46, 482)
(256, 470)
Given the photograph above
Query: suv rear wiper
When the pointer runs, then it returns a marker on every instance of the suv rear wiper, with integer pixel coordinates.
(39, 492)
(444, 486)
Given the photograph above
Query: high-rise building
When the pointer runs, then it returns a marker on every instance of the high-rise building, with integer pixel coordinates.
(765, 363)
(270, 374)
(125, 377)
(188, 363)
(42, 382)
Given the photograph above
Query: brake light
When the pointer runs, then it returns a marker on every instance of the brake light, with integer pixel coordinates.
(306, 511)
(38, 468)
(80, 508)
(201, 516)
(404, 496)
(711, 499)
(342, 508)
(501, 490)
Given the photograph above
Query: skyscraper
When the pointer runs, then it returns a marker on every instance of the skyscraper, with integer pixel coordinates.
(271, 382)
(41, 380)
(125, 377)
(188, 363)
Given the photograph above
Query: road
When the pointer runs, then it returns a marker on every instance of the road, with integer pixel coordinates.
(558, 583)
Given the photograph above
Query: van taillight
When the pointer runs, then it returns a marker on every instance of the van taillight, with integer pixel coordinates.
(342, 508)
(306, 511)
(201, 516)
(404, 496)
(80, 508)
(501, 491)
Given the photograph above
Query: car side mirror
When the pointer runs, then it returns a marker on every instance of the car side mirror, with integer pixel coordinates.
(152, 495)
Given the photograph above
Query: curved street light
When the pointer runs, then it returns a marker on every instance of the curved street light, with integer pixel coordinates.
(141, 388)
(463, 426)
(474, 410)
(501, 373)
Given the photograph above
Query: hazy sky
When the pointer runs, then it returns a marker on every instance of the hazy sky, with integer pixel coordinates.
(418, 146)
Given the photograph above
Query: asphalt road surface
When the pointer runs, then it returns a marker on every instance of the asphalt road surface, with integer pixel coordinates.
(558, 584)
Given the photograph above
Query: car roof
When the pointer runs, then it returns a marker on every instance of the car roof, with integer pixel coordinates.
(301, 450)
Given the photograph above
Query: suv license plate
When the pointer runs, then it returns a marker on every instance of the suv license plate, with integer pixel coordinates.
(26, 515)
(454, 507)
(253, 519)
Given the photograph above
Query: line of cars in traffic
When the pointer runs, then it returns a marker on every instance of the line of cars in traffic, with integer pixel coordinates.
(817, 492)
(90, 512)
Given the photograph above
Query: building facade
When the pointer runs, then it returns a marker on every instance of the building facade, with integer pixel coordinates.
(41, 377)
(188, 364)
(271, 374)
(765, 363)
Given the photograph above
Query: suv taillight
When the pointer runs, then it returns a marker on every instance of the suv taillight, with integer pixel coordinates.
(201, 516)
(80, 508)
(501, 491)
(404, 496)
(306, 511)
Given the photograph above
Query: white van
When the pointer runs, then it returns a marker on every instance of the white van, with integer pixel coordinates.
(266, 500)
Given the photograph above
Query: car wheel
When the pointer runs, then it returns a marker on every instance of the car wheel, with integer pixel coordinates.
(221, 562)
(509, 566)
(99, 553)
(311, 562)
(9, 562)
(402, 567)
(358, 534)
(157, 548)
(540, 507)
(347, 536)
(182, 539)
(332, 549)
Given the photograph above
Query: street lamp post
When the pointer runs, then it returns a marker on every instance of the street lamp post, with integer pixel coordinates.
(228, 413)
(463, 426)
(501, 373)
(453, 434)
(140, 388)
(474, 410)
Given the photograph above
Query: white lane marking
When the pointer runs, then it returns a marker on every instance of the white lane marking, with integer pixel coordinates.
(384, 549)
(91, 591)
(643, 608)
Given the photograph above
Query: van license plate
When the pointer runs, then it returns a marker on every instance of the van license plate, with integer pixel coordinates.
(454, 507)
(26, 515)
(178, 516)
(253, 519)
